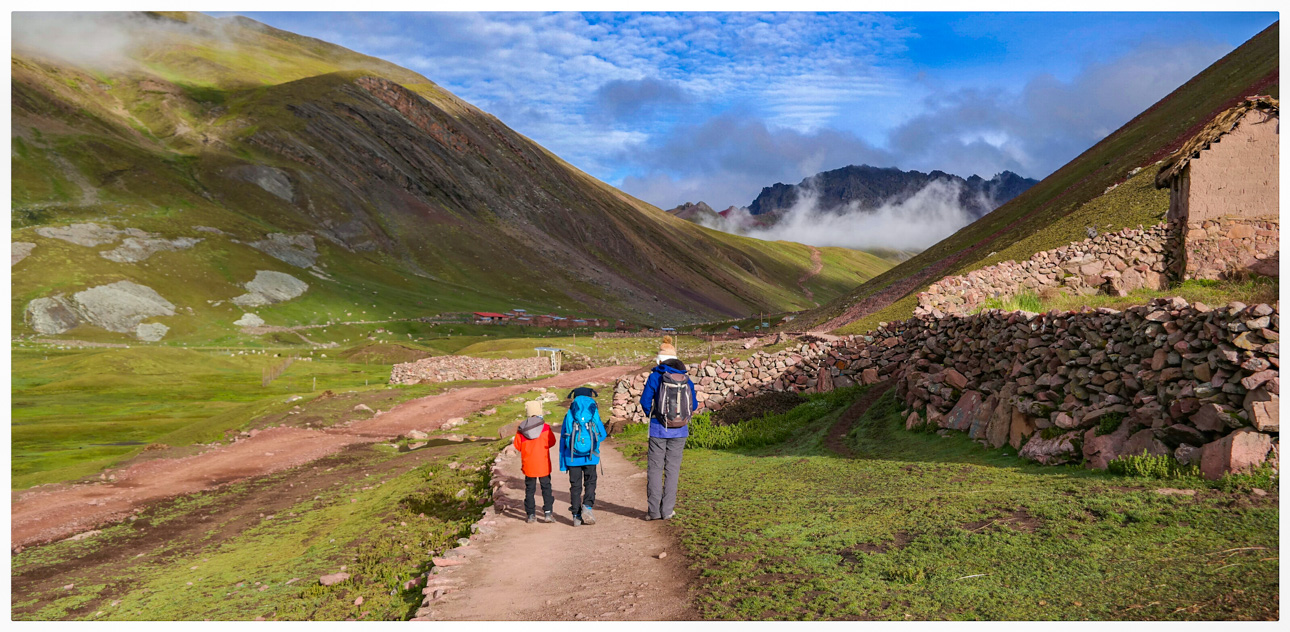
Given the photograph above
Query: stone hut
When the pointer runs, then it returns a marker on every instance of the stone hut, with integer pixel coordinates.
(1223, 205)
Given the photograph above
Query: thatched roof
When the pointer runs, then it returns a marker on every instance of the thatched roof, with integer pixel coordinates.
(1222, 124)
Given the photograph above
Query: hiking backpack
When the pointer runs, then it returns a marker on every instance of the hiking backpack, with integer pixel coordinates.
(672, 401)
(582, 432)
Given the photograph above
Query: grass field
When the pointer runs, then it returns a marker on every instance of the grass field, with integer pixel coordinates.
(919, 526)
(78, 411)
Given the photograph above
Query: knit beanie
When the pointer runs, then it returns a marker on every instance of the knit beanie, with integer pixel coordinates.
(667, 348)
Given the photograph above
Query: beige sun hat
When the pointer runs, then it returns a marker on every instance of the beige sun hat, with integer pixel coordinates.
(533, 408)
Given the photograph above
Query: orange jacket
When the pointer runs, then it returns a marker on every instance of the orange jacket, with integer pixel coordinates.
(535, 455)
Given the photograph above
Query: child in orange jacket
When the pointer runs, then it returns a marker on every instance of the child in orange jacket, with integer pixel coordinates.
(533, 440)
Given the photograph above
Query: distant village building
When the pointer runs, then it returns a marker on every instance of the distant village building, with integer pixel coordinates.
(490, 318)
(1223, 194)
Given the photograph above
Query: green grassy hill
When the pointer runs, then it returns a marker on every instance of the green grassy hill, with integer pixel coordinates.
(416, 201)
(1057, 210)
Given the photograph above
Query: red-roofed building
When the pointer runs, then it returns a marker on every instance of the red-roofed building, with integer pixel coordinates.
(490, 317)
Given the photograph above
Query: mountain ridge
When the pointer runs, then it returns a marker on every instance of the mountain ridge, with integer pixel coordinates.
(868, 187)
(416, 196)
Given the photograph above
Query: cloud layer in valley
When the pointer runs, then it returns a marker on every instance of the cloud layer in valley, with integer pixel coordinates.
(910, 224)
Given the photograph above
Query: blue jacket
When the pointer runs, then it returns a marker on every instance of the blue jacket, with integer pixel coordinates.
(567, 459)
(656, 427)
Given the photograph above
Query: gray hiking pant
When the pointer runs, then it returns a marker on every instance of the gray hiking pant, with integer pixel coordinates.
(664, 472)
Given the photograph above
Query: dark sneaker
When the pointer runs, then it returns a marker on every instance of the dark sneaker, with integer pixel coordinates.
(577, 520)
(549, 517)
(532, 519)
(587, 516)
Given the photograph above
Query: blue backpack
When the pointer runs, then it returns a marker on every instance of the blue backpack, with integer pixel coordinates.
(582, 432)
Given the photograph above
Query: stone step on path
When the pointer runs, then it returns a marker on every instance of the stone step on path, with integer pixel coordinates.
(621, 568)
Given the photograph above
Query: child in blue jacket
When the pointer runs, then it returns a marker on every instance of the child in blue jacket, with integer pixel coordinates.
(580, 438)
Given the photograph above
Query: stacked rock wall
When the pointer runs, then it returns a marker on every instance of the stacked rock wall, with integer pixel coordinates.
(1217, 247)
(454, 368)
(1112, 263)
(1197, 383)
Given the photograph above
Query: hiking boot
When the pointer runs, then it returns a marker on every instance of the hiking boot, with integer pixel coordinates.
(532, 519)
(587, 516)
(577, 520)
(549, 517)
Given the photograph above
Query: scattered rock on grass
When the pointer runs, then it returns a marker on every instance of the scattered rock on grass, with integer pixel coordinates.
(19, 250)
(136, 249)
(270, 287)
(333, 579)
(150, 332)
(88, 234)
(249, 320)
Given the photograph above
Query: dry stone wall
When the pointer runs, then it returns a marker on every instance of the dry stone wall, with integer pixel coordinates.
(454, 368)
(1167, 378)
(1218, 247)
(1112, 263)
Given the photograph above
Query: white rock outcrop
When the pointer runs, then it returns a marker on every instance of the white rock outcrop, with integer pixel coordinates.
(249, 320)
(269, 287)
(135, 249)
(121, 306)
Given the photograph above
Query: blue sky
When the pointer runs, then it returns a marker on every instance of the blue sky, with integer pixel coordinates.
(714, 106)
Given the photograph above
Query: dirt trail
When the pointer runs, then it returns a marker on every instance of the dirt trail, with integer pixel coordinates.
(817, 265)
(609, 571)
(836, 440)
(55, 512)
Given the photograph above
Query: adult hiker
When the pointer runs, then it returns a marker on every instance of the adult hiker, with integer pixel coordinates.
(669, 401)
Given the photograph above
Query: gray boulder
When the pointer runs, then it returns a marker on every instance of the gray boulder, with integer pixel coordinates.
(19, 250)
(51, 315)
(121, 306)
(150, 332)
(270, 287)
(88, 234)
(135, 249)
(297, 250)
(270, 179)
(249, 320)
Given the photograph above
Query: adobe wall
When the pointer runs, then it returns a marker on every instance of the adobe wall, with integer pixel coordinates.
(1197, 383)
(1237, 176)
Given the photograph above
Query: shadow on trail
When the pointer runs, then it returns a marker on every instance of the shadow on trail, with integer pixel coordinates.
(562, 502)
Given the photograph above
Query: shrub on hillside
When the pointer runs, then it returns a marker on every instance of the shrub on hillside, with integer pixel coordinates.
(1026, 301)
